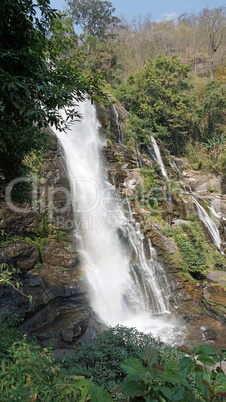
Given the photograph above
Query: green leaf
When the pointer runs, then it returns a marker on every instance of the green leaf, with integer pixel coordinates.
(98, 394)
(221, 377)
(186, 366)
(173, 394)
(201, 388)
(22, 110)
(205, 359)
(150, 355)
(172, 378)
(167, 392)
(82, 383)
(132, 366)
(133, 388)
(85, 391)
(204, 348)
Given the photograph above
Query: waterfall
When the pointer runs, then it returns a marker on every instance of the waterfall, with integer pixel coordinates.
(159, 158)
(119, 128)
(210, 225)
(125, 287)
(163, 170)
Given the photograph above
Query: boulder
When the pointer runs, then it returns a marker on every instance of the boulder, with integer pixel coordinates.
(18, 219)
(67, 335)
(20, 255)
(214, 301)
(89, 335)
(217, 277)
(59, 254)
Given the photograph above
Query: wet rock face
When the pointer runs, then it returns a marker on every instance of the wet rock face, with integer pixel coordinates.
(54, 279)
(59, 254)
(58, 296)
(214, 301)
(20, 255)
(49, 271)
(192, 304)
(18, 218)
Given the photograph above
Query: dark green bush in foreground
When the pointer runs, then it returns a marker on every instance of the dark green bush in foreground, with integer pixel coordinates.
(139, 367)
(101, 359)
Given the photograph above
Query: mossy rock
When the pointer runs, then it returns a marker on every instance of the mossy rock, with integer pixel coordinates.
(214, 301)
(166, 246)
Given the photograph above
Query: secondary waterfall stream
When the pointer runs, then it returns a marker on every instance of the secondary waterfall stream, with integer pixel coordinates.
(159, 158)
(125, 287)
(208, 222)
(201, 213)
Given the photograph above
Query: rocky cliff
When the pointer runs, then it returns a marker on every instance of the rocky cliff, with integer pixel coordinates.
(38, 241)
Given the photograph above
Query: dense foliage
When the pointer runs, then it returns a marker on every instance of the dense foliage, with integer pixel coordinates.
(161, 101)
(94, 17)
(109, 350)
(36, 79)
(185, 380)
(192, 246)
(140, 367)
(159, 94)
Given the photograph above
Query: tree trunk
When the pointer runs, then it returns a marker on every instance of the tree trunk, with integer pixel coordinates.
(212, 61)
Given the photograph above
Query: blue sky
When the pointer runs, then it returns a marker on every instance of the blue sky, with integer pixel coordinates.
(157, 8)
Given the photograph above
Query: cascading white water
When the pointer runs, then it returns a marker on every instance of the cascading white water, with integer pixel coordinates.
(124, 286)
(210, 225)
(158, 157)
(163, 170)
(116, 119)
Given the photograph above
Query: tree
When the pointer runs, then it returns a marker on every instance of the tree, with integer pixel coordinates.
(214, 105)
(35, 80)
(158, 94)
(95, 17)
(213, 25)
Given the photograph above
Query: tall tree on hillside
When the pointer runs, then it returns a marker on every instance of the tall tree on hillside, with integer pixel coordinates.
(213, 25)
(95, 17)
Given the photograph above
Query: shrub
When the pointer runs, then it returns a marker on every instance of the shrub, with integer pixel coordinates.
(191, 243)
(193, 257)
(186, 380)
(30, 373)
(219, 260)
(147, 192)
(108, 351)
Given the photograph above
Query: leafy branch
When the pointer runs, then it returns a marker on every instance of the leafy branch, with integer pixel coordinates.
(7, 278)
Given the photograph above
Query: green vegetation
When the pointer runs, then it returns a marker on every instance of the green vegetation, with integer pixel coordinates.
(146, 193)
(197, 257)
(36, 80)
(28, 372)
(131, 364)
(44, 67)
(9, 277)
(192, 246)
(95, 18)
(194, 259)
(158, 93)
(219, 260)
(162, 101)
(61, 268)
(109, 350)
(186, 381)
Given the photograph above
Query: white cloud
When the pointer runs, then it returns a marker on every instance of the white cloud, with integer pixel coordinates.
(169, 16)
